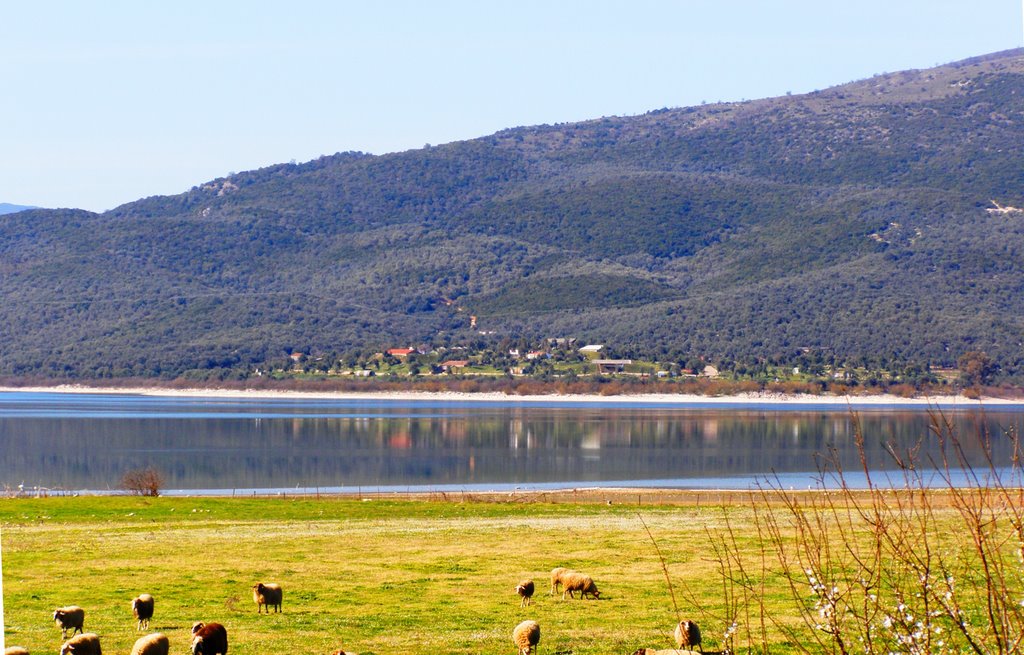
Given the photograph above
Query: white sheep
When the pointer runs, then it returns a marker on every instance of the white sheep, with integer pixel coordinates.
(86, 643)
(15, 650)
(70, 618)
(526, 636)
(525, 589)
(142, 608)
(556, 578)
(575, 581)
(688, 635)
(267, 595)
(154, 644)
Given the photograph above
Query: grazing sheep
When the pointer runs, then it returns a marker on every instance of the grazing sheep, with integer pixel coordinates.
(83, 644)
(267, 595)
(574, 581)
(154, 644)
(142, 608)
(209, 639)
(525, 589)
(70, 618)
(556, 578)
(526, 636)
(15, 650)
(688, 635)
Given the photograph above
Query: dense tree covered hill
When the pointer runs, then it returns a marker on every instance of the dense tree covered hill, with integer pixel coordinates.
(855, 219)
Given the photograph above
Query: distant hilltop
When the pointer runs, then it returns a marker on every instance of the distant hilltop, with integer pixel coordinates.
(8, 208)
(876, 221)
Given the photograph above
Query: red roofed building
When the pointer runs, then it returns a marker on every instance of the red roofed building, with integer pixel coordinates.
(401, 352)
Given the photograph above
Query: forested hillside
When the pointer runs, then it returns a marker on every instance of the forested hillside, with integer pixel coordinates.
(857, 219)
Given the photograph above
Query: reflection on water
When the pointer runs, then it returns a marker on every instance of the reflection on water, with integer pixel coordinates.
(87, 442)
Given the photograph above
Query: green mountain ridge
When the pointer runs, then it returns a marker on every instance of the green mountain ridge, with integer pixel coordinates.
(854, 219)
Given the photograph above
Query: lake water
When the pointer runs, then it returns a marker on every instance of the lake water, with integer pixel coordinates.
(87, 441)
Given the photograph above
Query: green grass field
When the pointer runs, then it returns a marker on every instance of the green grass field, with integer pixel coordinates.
(369, 576)
(805, 573)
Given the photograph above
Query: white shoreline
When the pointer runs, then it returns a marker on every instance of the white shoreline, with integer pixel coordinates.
(761, 398)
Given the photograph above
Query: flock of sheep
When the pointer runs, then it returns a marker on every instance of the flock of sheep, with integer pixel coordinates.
(207, 638)
(212, 638)
(526, 635)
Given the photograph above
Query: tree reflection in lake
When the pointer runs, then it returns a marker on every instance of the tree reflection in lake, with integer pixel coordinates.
(75, 442)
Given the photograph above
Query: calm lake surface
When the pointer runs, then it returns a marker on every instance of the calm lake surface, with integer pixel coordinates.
(75, 442)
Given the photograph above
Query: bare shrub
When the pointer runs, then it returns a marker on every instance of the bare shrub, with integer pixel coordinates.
(929, 560)
(143, 482)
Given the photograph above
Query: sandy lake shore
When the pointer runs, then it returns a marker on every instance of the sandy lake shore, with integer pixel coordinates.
(879, 401)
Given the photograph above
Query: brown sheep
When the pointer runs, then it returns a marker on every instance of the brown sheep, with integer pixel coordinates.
(83, 644)
(526, 636)
(70, 618)
(142, 608)
(688, 635)
(209, 639)
(15, 650)
(154, 644)
(267, 595)
(574, 581)
(525, 589)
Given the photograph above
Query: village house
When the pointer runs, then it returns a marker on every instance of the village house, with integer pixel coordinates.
(612, 365)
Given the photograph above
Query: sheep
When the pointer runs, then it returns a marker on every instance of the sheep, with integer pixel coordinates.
(574, 581)
(15, 650)
(667, 651)
(267, 595)
(86, 643)
(71, 618)
(142, 608)
(688, 635)
(526, 636)
(556, 578)
(154, 644)
(525, 589)
(209, 639)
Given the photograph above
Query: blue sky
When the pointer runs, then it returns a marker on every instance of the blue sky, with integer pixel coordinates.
(105, 102)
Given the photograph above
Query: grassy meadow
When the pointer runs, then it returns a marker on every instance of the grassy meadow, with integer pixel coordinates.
(369, 576)
(914, 570)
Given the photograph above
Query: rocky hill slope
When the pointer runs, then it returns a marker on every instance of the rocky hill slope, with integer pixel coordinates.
(858, 219)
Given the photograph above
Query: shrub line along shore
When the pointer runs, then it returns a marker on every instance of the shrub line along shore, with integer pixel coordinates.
(763, 398)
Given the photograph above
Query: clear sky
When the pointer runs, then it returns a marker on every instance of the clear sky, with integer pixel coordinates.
(109, 101)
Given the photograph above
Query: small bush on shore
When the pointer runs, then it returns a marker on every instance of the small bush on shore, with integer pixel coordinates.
(143, 482)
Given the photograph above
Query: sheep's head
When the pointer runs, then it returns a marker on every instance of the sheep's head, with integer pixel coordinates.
(197, 626)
